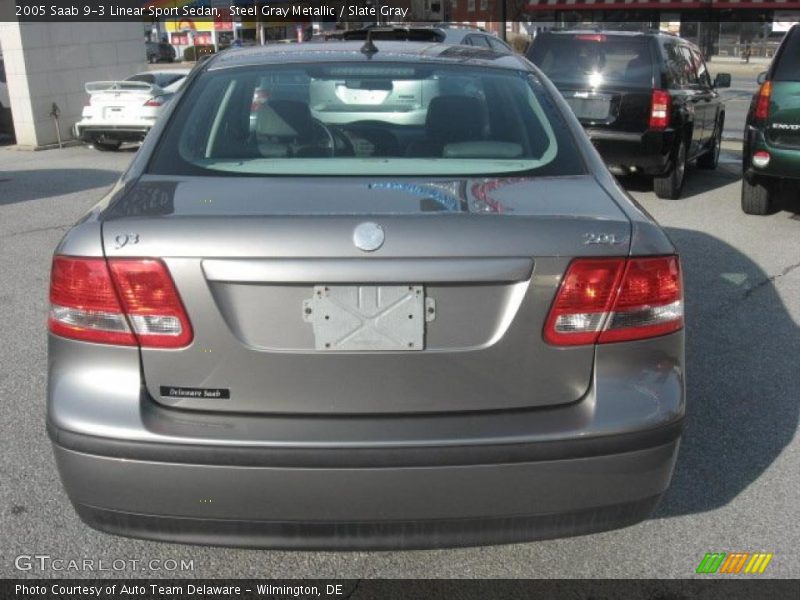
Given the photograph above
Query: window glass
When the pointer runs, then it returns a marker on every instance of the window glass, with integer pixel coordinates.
(478, 40)
(788, 67)
(376, 119)
(692, 77)
(700, 66)
(498, 45)
(594, 60)
(677, 67)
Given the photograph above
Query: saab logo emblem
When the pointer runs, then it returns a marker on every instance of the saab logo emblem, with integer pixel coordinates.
(368, 237)
(734, 562)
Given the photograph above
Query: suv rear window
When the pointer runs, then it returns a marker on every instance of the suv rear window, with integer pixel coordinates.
(366, 119)
(788, 67)
(594, 59)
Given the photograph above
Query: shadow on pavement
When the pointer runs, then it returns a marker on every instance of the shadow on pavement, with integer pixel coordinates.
(23, 186)
(741, 353)
(697, 182)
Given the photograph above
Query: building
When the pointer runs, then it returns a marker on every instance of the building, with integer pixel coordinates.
(47, 65)
(719, 27)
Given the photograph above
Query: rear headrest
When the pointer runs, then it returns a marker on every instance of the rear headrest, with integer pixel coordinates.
(284, 118)
(455, 119)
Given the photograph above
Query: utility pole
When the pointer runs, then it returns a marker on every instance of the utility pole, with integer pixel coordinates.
(503, 17)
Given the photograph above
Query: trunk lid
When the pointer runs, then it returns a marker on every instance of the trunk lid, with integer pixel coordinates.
(611, 107)
(783, 124)
(113, 100)
(478, 260)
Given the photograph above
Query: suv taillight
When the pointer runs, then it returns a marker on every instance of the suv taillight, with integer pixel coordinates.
(660, 107)
(119, 301)
(762, 101)
(615, 300)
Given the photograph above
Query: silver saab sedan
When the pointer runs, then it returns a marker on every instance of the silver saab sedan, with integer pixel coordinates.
(339, 327)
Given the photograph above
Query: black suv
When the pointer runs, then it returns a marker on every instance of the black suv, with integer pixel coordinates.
(646, 100)
(160, 52)
(771, 156)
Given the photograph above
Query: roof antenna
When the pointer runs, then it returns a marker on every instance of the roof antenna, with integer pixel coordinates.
(369, 48)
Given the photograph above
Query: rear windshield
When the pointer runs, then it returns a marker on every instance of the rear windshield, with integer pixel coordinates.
(594, 59)
(788, 67)
(366, 119)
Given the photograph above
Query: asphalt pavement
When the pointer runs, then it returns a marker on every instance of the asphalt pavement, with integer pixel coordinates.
(737, 479)
(737, 97)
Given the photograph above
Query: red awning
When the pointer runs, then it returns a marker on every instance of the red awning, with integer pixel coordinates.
(659, 4)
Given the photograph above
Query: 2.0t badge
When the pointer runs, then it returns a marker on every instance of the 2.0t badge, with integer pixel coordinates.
(368, 236)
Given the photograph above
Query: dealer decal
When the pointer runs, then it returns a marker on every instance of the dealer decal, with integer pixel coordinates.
(168, 391)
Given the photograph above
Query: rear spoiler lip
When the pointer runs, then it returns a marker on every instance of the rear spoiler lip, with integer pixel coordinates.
(94, 87)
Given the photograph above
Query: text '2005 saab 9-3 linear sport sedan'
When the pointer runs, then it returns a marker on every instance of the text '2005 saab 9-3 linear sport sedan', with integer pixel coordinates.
(403, 305)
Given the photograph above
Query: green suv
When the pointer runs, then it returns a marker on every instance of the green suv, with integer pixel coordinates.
(771, 153)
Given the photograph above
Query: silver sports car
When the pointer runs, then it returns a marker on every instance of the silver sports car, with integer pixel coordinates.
(368, 331)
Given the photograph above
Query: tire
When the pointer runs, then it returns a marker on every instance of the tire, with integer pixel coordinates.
(710, 159)
(152, 59)
(669, 187)
(756, 197)
(106, 146)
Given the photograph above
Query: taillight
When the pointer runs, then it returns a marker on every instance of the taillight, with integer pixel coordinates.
(84, 303)
(761, 159)
(660, 107)
(615, 300)
(120, 301)
(156, 101)
(762, 101)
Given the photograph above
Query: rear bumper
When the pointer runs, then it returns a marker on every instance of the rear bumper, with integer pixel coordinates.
(132, 466)
(89, 132)
(649, 152)
(364, 535)
(412, 497)
(784, 162)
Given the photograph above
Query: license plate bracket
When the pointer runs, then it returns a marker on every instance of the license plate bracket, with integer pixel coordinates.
(590, 106)
(370, 318)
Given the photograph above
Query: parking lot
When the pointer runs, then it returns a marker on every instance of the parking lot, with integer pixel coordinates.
(738, 475)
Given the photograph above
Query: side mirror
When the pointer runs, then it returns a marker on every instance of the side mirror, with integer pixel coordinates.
(762, 77)
(722, 80)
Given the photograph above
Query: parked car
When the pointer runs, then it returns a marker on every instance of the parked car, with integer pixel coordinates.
(442, 33)
(646, 100)
(125, 111)
(365, 334)
(771, 153)
(160, 52)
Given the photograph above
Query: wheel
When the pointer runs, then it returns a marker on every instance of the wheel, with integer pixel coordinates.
(152, 59)
(756, 197)
(669, 187)
(106, 145)
(710, 159)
